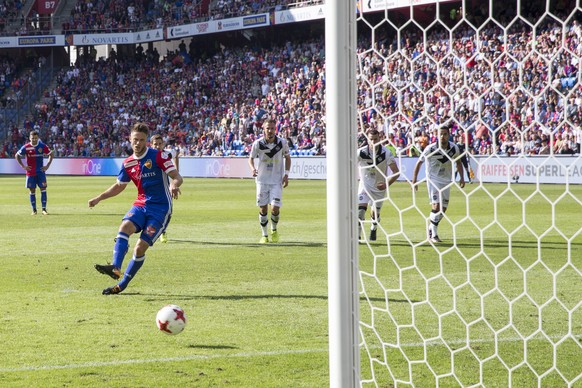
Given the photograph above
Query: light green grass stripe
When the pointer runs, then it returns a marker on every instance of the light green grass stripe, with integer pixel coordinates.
(253, 354)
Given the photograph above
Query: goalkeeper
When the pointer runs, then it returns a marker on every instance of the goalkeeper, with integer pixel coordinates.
(374, 159)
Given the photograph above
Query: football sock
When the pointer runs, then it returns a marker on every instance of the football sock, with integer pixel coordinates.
(33, 201)
(361, 218)
(132, 268)
(264, 220)
(435, 218)
(274, 221)
(375, 220)
(120, 249)
(43, 198)
(361, 213)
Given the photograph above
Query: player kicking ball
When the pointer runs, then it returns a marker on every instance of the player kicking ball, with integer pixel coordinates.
(151, 212)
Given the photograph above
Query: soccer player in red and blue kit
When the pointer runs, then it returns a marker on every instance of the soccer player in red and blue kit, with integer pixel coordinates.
(35, 151)
(150, 214)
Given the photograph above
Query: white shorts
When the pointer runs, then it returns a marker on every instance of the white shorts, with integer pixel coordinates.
(269, 193)
(437, 195)
(372, 197)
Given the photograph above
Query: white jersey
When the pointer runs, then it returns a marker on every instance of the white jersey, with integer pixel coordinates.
(172, 152)
(439, 163)
(374, 168)
(271, 165)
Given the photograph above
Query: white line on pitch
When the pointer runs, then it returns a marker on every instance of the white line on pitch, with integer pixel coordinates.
(253, 354)
(158, 360)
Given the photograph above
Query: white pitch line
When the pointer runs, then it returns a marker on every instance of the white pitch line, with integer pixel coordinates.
(157, 360)
(253, 354)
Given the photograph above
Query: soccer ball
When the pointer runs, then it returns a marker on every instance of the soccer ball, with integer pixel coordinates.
(171, 319)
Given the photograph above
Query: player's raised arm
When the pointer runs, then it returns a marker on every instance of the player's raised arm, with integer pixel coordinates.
(112, 191)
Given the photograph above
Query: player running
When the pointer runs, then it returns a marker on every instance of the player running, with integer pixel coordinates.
(439, 157)
(271, 175)
(374, 160)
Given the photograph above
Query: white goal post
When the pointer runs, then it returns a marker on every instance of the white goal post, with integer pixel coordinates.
(340, 31)
(497, 302)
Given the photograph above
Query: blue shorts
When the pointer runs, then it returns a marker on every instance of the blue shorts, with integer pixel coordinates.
(38, 180)
(150, 220)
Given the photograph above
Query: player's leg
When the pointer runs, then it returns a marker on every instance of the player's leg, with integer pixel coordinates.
(41, 182)
(31, 186)
(139, 255)
(363, 200)
(375, 208)
(164, 235)
(156, 220)
(435, 214)
(263, 204)
(275, 196)
(129, 226)
(466, 168)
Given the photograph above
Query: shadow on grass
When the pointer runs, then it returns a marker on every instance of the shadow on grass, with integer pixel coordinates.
(214, 347)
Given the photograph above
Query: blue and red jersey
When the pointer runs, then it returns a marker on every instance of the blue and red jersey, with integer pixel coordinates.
(148, 173)
(34, 156)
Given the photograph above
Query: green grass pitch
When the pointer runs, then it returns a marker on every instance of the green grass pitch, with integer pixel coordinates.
(258, 314)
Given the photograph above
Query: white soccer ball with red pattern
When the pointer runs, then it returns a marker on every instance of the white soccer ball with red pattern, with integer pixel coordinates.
(171, 319)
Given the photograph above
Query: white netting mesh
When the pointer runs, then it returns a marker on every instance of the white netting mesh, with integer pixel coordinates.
(499, 301)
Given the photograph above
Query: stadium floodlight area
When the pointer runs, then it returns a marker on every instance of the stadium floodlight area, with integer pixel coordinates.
(499, 301)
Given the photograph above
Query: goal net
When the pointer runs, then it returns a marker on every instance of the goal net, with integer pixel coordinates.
(499, 301)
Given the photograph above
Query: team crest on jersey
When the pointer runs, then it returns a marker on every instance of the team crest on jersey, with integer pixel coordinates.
(148, 163)
(150, 230)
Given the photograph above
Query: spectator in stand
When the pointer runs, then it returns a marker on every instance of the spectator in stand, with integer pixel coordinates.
(119, 91)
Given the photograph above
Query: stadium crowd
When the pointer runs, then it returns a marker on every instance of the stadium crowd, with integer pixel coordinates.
(504, 98)
(102, 16)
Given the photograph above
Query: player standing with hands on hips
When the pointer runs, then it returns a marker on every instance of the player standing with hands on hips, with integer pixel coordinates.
(271, 176)
(439, 157)
(374, 159)
(151, 211)
(35, 151)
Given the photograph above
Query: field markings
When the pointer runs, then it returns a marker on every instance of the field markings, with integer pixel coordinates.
(96, 364)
